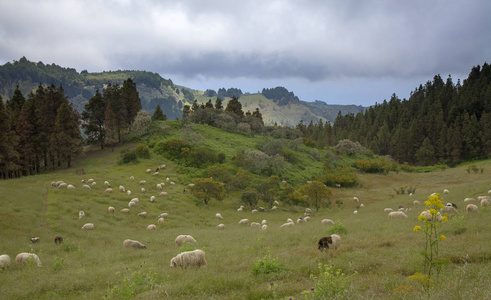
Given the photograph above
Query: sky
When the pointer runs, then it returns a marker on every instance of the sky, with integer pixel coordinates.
(340, 52)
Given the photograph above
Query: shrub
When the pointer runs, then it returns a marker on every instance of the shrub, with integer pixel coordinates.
(174, 148)
(267, 265)
(348, 147)
(127, 156)
(340, 175)
(142, 151)
(380, 165)
(330, 283)
(337, 228)
(201, 156)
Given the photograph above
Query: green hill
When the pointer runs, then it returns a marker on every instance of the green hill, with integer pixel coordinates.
(378, 257)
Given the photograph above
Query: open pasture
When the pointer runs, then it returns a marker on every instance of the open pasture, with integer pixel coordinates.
(378, 254)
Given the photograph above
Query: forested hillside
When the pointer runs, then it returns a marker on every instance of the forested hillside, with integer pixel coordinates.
(441, 122)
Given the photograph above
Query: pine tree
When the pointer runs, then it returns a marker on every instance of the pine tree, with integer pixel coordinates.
(15, 105)
(110, 126)
(8, 141)
(234, 106)
(27, 134)
(66, 135)
(131, 100)
(158, 115)
(93, 116)
(218, 104)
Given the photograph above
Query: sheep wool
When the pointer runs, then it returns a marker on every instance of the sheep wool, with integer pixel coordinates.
(125, 210)
(81, 214)
(333, 241)
(397, 215)
(133, 244)
(471, 208)
(110, 209)
(327, 222)
(25, 257)
(88, 226)
(184, 238)
(151, 227)
(255, 225)
(244, 222)
(219, 216)
(4, 261)
(221, 226)
(142, 214)
(186, 259)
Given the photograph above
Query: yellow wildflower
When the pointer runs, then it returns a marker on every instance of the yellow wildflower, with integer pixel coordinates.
(421, 217)
(433, 211)
(427, 203)
(444, 219)
(417, 228)
(442, 237)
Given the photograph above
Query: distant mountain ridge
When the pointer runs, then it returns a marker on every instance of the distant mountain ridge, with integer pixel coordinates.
(281, 106)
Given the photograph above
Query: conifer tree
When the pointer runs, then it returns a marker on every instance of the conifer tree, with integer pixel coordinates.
(66, 134)
(26, 133)
(158, 114)
(94, 115)
(110, 126)
(131, 100)
(234, 106)
(8, 141)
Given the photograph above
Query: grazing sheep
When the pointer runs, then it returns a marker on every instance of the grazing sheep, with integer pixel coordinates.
(155, 174)
(122, 189)
(167, 179)
(58, 239)
(308, 210)
(254, 211)
(93, 183)
(241, 208)
(289, 220)
(416, 203)
(132, 204)
(106, 183)
(132, 177)
(388, 210)
(25, 257)
(264, 227)
(471, 208)
(195, 258)
(151, 227)
(128, 192)
(90, 181)
(35, 239)
(219, 216)
(283, 181)
(152, 198)
(4, 261)
(125, 210)
(356, 199)
(261, 208)
(86, 187)
(161, 220)
(244, 222)
(306, 219)
(264, 222)
(70, 187)
(355, 212)
(451, 204)
(143, 190)
(448, 210)
(184, 238)
(469, 199)
(172, 183)
(327, 222)
(429, 217)
(133, 244)
(81, 214)
(159, 186)
(362, 205)
(221, 226)
(397, 215)
(333, 241)
(111, 209)
(445, 191)
(163, 194)
(485, 202)
(108, 190)
(255, 225)
(164, 215)
(88, 226)
(148, 171)
(142, 214)
(299, 220)
(276, 203)
(274, 208)
(287, 224)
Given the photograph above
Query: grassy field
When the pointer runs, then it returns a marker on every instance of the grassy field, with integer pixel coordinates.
(376, 254)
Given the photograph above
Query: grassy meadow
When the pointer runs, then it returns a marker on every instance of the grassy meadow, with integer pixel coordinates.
(376, 256)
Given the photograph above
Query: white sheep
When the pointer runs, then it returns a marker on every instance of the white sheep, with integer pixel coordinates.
(306, 219)
(161, 220)
(244, 222)
(93, 183)
(276, 203)
(35, 239)
(133, 244)
(106, 183)
(356, 199)
(485, 202)
(88, 226)
(128, 192)
(429, 217)
(122, 189)
(152, 198)
(469, 199)
(132, 204)
(264, 227)
(125, 210)
(167, 179)
(388, 210)
(70, 187)
(81, 214)
(289, 220)
(221, 226)
(164, 215)
(219, 216)
(264, 222)
(195, 258)
(132, 177)
(471, 208)
(142, 214)
(274, 208)
(110, 209)
(142, 182)
(416, 203)
(172, 183)
(299, 220)
(327, 222)
(86, 187)
(151, 227)
(445, 191)
(184, 238)
(397, 215)
(108, 190)
(255, 225)
(4, 261)
(448, 210)
(163, 194)
(25, 257)
(143, 190)
(254, 211)
(287, 224)
(148, 171)
(308, 210)
(90, 181)
(155, 174)
(355, 212)
(159, 186)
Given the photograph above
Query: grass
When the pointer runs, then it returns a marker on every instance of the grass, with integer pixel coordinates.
(376, 254)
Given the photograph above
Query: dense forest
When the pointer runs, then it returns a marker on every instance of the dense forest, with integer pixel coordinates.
(441, 122)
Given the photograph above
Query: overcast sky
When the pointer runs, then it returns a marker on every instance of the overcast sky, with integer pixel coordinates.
(340, 52)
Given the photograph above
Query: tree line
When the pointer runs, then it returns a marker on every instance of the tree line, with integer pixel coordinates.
(441, 122)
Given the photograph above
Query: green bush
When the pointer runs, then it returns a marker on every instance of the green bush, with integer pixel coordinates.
(127, 156)
(142, 151)
(340, 175)
(267, 265)
(337, 228)
(174, 148)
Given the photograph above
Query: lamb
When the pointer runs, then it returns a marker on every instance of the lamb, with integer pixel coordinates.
(181, 239)
(355, 212)
(35, 239)
(148, 171)
(81, 214)
(132, 177)
(25, 257)
(58, 239)
(327, 222)
(221, 226)
(110, 209)
(186, 259)
(333, 241)
(151, 227)
(306, 219)
(90, 181)
(429, 217)
(299, 220)
(254, 211)
(244, 222)
(159, 186)
(133, 244)
(142, 214)
(362, 205)
(4, 261)
(241, 208)
(132, 204)
(264, 222)
(93, 183)
(274, 208)
(397, 215)
(128, 192)
(255, 225)
(88, 226)
(172, 183)
(143, 190)
(471, 208)
(219, 216)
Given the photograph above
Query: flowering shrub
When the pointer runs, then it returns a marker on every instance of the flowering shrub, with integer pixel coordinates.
(431, 218)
